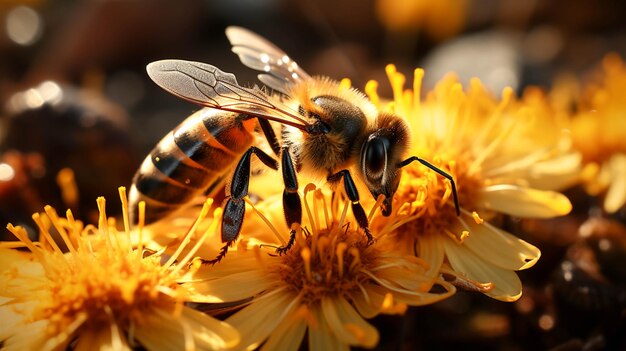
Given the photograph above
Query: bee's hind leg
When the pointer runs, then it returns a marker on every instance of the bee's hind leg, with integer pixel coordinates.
(235, 207)
(353, 196)
(291, 200)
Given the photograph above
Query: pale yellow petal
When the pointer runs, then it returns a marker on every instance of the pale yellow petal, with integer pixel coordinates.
(235, 287)
(100, 339)
(235, 262)
(321, 338)
(32, 336)
(525, 202)
(616, 194)
(406, 273)
(416, 298)
(210, 333)
(556, 173)
(507, 286)
(500, 248)
(11, 318)
(430, 249)
(160, 330)
(258, 320)
(369, 302)
(288, 335)
(347, 324)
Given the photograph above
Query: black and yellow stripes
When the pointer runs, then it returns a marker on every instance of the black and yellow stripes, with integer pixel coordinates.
(192, 158)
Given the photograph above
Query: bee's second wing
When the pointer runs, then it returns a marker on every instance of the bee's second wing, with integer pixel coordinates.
(280, 71)
(207, 85)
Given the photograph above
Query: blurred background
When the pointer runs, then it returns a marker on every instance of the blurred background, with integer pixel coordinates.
(78, 114)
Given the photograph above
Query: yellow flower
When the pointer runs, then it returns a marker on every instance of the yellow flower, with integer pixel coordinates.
(101, 294)
(441, 19)
(327, 284)
(499, 153)
(599, 132)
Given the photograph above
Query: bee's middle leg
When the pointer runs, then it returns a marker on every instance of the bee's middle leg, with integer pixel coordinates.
(292, 206)
(235, 207)
(353, 196)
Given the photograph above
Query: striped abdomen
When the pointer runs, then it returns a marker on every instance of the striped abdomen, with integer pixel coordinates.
(189, 161)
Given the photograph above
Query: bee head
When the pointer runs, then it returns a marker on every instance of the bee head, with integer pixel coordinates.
(381, 154)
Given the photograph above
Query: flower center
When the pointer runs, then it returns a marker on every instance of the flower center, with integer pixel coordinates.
(424, 198)
(329, 263)
(104, 287)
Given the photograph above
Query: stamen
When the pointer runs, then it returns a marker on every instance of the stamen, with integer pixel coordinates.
(371, 88)
(21, 234)
(217, 215)
(267, 222)
(343, 214)
(305, 253)
(54, 218)
(341, 248)
(345, 84)
(379, 201)
(397, 81)
(418, 76)
(124, 199)
(140, 225)
(477, 218)
(190, 233)
(356, 258)
(45, 233)
(319, 195)
(308, 188)
(102, 220)
(75, 233)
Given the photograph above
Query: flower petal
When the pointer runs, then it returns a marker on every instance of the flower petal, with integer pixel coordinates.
(234, 287)
(500, 248)
(368, 304)
(209, 332)
(556, 173)
(32, 336)
(160, 330)
(288, 335)
(525, 202)
(507, 286)
(102, 339)
(347, 324)
(431, 250)
(261, 318)
(321, 338)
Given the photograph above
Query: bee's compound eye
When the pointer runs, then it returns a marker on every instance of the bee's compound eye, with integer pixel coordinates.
(375, 157)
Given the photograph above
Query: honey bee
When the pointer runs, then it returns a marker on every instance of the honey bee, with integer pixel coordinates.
(325, 132)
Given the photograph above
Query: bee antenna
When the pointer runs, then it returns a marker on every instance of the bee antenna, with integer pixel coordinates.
(441, 172)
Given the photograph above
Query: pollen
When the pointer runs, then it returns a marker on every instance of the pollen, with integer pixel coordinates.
(101, 279)
(330, 259)
(321, 265)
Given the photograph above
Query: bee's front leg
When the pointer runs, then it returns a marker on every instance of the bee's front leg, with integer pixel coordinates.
(353, 196)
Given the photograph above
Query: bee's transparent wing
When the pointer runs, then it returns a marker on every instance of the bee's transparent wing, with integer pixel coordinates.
(280, 71)
(207, 85)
